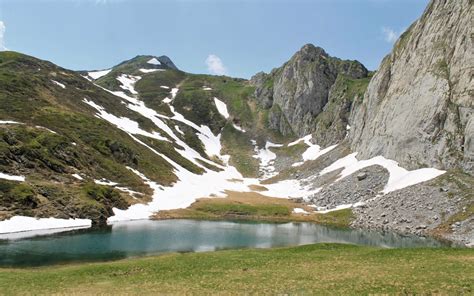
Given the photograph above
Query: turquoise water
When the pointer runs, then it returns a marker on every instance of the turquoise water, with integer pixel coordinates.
(141, 238)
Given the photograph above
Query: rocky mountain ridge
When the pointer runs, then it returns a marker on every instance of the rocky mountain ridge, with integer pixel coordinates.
(300, 90)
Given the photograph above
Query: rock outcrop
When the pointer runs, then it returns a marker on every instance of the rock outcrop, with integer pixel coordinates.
(418, 108)
(298, 92)
(166, 61)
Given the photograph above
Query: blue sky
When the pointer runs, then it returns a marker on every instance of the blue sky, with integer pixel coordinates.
(236, 37)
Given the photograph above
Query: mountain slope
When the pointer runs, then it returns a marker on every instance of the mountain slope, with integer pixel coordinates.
(51, 134)
(95, 141)
(392, 148)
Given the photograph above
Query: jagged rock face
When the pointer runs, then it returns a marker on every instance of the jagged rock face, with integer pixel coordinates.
(418, 107)
(298, 91)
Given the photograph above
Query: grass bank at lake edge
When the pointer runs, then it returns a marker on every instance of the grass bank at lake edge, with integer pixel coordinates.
(320, 268)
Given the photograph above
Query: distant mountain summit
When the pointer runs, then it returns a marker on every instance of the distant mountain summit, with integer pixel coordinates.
(301, 95)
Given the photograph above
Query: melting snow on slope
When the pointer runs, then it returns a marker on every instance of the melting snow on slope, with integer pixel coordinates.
(128, 190)
(21, 223)
(46, 129)
(191, 186)
(154, 61)
(128, 82)
(174, 92)
(267, 159)
(238, 128)
(58, 84)
(12, 177)
(105, 182)
(399, 177)
(150, 70)
(178, 130)
(9, 122)
(123, 123)
(339, 207)
(313, 151)
(211, 142)
(77, 176)
(98, 74)
(221, 107)
(299, 211)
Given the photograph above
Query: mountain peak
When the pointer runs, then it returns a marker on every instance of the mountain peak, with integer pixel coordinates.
(311, 49)
(165, 60)
(149, 61)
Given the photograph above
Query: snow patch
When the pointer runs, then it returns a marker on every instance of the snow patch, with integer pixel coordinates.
(289, 189)
(105, 182)
(221, 107)
(178, 130)
(9, 122)
(339, 207)
(165, 87)
(299, 211)
(77, 176)
(174, 92)
(22, 223)
(124, 123)
(97, 74)
(267, 159)
(128, 190)
(313, 151)
(58, 84)
(238, 127)
(399, 177)
(304, 139)
(45, 128)
(150, 70)
(12, 177)
(154, 61)
(128, 82)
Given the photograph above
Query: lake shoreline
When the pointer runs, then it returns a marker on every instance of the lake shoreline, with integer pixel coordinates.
(300, 269)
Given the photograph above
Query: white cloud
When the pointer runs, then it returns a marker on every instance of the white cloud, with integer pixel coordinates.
(215, 65)
(2, 35)
(390, 35)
